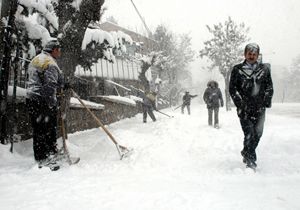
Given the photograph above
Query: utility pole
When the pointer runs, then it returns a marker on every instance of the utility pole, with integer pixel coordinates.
(142, 19)
(5, 69)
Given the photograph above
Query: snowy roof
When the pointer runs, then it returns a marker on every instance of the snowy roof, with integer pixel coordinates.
(119, 99)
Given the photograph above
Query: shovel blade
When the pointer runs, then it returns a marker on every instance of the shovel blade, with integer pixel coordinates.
(125, 153)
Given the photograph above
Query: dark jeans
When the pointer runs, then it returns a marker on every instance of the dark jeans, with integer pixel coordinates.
(187, 107)
(149, 110)
(216, 115)
(253, 126)
(44, 125)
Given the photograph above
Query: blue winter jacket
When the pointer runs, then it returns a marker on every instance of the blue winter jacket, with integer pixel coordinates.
(44, 77)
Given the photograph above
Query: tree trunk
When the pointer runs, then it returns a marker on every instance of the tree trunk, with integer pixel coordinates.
(73, 25)
(227, 95)
(5, 70)
(143, 78)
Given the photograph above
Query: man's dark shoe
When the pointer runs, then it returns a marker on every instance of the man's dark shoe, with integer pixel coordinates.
(251, 164)
(49, 162)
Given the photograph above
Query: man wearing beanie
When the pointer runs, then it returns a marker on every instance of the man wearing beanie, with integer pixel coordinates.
(44, 78)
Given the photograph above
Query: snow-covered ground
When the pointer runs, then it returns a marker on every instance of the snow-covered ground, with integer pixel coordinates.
(178, 163)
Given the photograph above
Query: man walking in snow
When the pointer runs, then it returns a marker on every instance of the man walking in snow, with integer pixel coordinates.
(251, 90)
(187, 102)
(213, 99)
(149, 105)
(44, 78)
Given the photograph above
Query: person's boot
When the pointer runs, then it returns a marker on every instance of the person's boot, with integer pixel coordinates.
(250, 163)
(248, 160)
(49, 162)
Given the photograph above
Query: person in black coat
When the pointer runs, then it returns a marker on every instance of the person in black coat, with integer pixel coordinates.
(251, 90)
(187, 102)
(213, 99)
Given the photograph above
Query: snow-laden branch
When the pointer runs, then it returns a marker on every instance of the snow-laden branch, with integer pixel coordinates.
(76, 4)
(45, 8)
(36, 31)
(98, 36)
(114, 38)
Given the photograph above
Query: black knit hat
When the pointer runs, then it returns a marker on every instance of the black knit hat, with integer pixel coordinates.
(51, 45)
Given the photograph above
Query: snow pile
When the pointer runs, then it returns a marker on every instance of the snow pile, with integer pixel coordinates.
(120, 100)
(75, 103)
(178, 163)
(135, 98)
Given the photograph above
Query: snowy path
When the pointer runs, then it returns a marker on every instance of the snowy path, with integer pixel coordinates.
(178, 163)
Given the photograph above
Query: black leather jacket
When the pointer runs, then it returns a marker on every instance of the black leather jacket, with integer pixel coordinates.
(251, 89)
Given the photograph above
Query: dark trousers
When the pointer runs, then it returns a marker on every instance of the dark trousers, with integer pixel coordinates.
(187, 107)
(214, 111)
(44, 125)
(253, 127)
(149, 110)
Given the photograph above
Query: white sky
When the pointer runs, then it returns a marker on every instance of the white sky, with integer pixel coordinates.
(274, 25)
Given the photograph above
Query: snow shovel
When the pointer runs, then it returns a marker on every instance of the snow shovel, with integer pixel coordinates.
(123, 151)
(177, 107)
(64, 135)
(164, 114)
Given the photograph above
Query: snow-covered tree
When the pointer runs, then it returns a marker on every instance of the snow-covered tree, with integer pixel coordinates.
(185, 55)
(167, 46)
(75, 24)
(72, 22)
(292, 82)
(176, 54)
(224, 49)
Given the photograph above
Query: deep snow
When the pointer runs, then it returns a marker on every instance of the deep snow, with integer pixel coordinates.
(178, 163)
